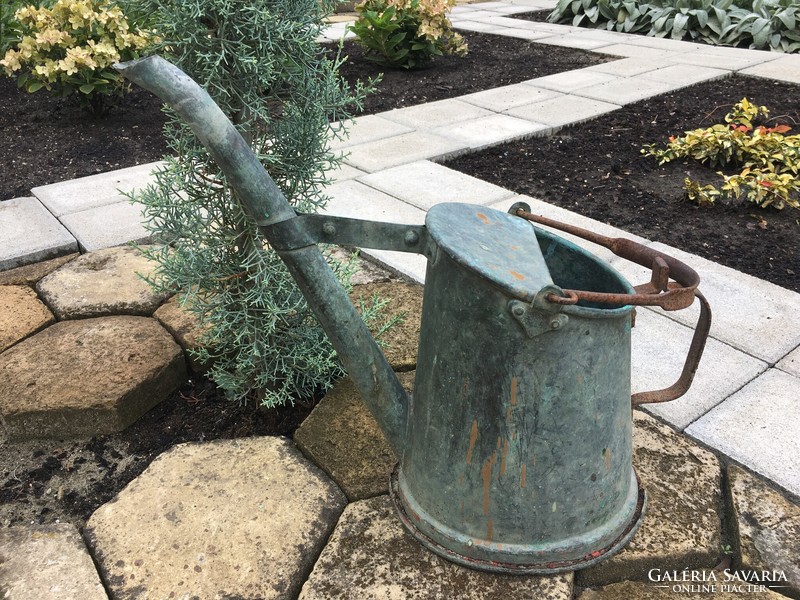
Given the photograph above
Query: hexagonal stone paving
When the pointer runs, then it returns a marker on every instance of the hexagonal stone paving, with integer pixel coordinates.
(105, 282)
(681, 527)
(370, 556)
(87, 377)
(184, 327)
(21, 314)
(242, 519)
(30, 274)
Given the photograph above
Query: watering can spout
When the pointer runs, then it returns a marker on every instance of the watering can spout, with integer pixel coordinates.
(265, 203)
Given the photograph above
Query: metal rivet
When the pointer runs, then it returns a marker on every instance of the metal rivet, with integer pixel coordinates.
(555, 324)
(328, 229)
(518, 310)
(469, 543)
(411, 238)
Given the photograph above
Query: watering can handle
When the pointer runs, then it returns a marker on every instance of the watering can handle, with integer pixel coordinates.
(659, 291)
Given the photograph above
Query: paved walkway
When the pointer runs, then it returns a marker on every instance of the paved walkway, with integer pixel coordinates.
(744, 403)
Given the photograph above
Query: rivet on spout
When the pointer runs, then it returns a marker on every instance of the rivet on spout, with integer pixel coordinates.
(329, 229)
(411, 238)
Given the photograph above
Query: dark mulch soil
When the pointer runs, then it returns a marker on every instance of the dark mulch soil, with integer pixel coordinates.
(42, 140)
(596, 169)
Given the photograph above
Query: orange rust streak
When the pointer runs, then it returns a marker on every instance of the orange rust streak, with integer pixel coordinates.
(503, 459)
(523, 474)
(489, 530)
(483, 218)
(508, 415)
(608, 458)
(517, 276)
(486, 475)
(473, 437)
(514, 384)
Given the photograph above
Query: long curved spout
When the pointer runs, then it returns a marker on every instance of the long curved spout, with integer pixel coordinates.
(264, 202)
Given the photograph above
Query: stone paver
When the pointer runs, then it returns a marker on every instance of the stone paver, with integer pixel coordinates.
(488, 131)
(509, 96)
(685, 73)
(29, 234)
(47, 562)
(100, 283)
(96, 190)
(87, 377)
(630, 66)
(21, 314)
(242, 518)
(791, 363)
(436, 114)
(625, 91)
(577, 41)
(569, 81)
(31, 274)
(723, 58)
(366, 129)
(659, 350)
(371, 557)
(565, 110)
(786, 68)
(767, 529)
(632, 590)
(405, 148)
(751, 314)
(184, 327)
(424, 184)
(107, 225)
(681, 527)
(757, 427)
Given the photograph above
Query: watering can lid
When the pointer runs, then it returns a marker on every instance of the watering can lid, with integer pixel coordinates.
(496, 245)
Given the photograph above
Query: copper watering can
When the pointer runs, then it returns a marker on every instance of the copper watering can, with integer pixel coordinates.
(516, 448)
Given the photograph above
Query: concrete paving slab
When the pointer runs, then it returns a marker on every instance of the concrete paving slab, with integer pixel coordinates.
(576, 40)
(478, 26)
(525, 34)
(406, 148)
(96, 190)
(336, 32)
(47, 562)
(750, 314)
(241, 518)
(488, 131)
(565, 110)
(659, 347)
(625, 91)
(106, 226)
(632, 50)
(759, 427)
(568, 81)
(424, 184)
(344, 172)
(436, 114)
(685, 74)
(29, 233)
(728, 59)
(535, 4)
(786, 68)
(367, 129)
(659, 43)
(370, 557)
(509, 96)
(791, 363)
(628, 67)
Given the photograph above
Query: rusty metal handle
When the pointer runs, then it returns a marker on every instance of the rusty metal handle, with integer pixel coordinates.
(657, 292)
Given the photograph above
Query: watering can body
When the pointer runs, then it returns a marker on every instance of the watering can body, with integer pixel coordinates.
(515, 450)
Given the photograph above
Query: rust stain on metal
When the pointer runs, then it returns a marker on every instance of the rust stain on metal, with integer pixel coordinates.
(508, 415)
(514, 384)
(503, 458)
(486, 475)
(499, 442)
(473, 437)
(608, 458)
(483, 218)
(523, 473)
(517, 276)
(489, 529)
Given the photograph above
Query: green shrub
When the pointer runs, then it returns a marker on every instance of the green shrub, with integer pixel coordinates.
(69, 49)
(406, 33)
(769, 159)
(760, 24)
(260, 61)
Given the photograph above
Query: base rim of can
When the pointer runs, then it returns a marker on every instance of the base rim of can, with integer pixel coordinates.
(548, 568)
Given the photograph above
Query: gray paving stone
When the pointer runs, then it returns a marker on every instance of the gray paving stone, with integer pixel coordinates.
(749, 313)
(436, 114)
(424, 184)
(29, 234)
(628, 67)
(791, 363)
(535, 4)
(578, 41)
(100, 283)
(502, 98)
(344, 172)
(786, 68)
(106, 226)
(723, 58)
(631, 50)
(47, 562)
(525, 34)
(367, 129)
(659, 350)
(759, 426)
(568, 81)
(371, 557)
(241, 518)
(488, 131)
(625, 91)
(406, 148)
(685, 74)
(565, 110)
(767, 529)
(477, 25)
(681, 527)
(96, 190)
(87, 377)
(660, 43)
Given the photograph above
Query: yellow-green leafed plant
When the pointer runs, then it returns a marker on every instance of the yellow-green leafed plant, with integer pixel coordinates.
(406, 33)
(769, 159)
(70, 48)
